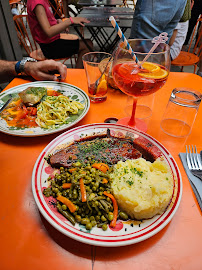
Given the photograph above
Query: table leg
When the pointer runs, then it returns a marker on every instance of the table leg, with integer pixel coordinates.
(81, 36)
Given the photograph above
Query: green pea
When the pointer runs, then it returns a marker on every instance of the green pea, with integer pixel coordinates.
(89, 226)
(103, 218)
(123, 215)
(56, 190)
(64, 207)
(97, 218)
(104, 227)
(92, 218)
(110, 216)
(84, 221)
(94, 223)
(78, 218)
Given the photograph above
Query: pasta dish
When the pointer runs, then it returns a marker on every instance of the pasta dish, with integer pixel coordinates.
(55, 110)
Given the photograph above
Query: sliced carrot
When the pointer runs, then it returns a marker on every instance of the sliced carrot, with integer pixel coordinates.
(83, 190)
(101, 166)
(72, 170)
(53, 93)
(104, 181)
(115, 205)
(67, 202)
(66, 185)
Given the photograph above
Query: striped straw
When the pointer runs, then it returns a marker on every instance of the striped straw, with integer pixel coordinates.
(121, 35)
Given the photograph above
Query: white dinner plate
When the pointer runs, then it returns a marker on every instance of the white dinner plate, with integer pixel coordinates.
(124, 233)
(66, 89)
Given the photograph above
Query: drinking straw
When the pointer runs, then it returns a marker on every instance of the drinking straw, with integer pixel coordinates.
(121, 35)
(162, 38)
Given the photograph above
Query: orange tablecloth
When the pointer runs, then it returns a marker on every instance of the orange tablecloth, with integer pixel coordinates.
(28, 241)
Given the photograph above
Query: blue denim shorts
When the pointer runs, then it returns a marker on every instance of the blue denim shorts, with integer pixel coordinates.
(152, 17)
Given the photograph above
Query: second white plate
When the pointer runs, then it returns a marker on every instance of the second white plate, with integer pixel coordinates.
(66, 89)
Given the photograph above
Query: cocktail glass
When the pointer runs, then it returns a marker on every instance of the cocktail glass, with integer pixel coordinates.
(138, 81)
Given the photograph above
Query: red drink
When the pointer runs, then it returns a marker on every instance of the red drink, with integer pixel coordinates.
(98, 94)
(134, 81)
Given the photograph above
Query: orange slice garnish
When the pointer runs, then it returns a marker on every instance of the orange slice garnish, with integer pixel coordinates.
(151, 67)
(162, 73)
(102, 86)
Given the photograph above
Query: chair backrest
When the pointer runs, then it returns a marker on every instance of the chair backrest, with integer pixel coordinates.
(197, 49)
(25, 37)
(57, 7)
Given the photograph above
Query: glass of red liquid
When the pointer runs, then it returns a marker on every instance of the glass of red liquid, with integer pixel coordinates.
(97, 75)
(138, 81)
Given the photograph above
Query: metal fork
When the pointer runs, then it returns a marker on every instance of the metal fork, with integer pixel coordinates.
(194, 161)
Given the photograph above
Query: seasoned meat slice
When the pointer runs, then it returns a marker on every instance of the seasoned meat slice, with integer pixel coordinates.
(32, 95)
(109, 150)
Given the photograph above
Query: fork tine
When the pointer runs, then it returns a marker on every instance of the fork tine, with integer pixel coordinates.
(191, 159)
(198, 159)
(188, 158)
(194, 155)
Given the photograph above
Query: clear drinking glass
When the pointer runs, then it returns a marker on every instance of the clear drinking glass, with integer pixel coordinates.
(94, 64)
(181, 111)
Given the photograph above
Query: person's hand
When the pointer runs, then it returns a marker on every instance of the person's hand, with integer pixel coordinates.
(80, 20)
(46, 70)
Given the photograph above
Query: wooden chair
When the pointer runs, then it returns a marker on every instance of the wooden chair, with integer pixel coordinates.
(192, 56)
(58, 8)
(29, 44)
(129, 3)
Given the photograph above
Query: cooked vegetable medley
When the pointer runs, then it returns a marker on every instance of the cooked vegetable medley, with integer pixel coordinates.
(83, 194)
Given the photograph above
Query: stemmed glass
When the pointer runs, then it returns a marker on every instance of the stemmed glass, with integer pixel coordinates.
(137, 81)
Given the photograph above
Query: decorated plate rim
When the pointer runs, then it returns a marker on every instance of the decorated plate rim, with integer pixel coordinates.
(156, 224)
(30, 132)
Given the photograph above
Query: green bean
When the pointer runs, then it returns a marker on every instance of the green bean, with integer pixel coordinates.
(106, 206)
(101, 224)
(91, 197)
(99, 198)
(66, 214)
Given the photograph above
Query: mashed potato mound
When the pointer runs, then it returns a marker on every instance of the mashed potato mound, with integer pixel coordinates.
(142, 189)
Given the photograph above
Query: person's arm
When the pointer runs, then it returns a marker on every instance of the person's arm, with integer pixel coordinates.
(53, 30)
(38, 70)
(172, 39)
(7, 71)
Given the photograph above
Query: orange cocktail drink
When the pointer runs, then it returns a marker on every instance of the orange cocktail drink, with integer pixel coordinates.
(136, 81)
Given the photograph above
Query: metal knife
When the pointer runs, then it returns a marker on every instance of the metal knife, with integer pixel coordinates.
(5, 104)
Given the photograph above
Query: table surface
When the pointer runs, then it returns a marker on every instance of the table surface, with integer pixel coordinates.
(28, 241)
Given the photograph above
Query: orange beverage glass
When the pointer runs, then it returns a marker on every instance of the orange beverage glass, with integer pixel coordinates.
(140, 80)
(94, 65)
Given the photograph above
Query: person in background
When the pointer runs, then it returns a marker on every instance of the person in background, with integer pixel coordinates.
(46, 31)
(15, 11)
(38, 70)
(152, 17)
(195, 12)
(180, 32)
